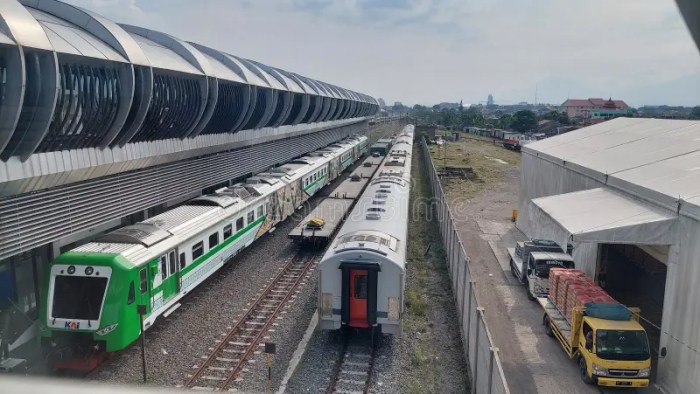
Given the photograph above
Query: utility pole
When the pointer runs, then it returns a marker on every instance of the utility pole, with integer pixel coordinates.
(270, 349)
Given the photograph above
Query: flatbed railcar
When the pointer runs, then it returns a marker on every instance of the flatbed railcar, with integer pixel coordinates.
(92, 292)
(363, 272)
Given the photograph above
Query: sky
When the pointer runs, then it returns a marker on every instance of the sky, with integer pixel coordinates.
(430, 51)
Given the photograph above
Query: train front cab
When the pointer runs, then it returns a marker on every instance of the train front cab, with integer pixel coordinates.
(359, 294)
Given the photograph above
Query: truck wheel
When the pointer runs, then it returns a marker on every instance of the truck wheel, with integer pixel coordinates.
(548, 327)
(527, 289)
(584, 373)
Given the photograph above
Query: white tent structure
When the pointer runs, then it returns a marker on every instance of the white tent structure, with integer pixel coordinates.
(633, 182)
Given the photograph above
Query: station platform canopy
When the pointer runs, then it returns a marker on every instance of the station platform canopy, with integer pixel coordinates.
(601, 215)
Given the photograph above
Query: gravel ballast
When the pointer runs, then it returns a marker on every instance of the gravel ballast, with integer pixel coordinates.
(174, 345)
(428, 356)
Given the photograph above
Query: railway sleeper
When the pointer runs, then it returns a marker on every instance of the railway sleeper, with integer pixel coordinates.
(353, 382)
(357, 373)
(228, 360)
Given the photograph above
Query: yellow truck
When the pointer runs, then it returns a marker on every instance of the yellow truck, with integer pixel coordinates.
(613, 353)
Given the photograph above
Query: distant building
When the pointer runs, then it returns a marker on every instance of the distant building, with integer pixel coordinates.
(445, 105)
(397, 104)
(489, 100)
(610, 113)
(382, 103)
(550, 128)
(583, 108)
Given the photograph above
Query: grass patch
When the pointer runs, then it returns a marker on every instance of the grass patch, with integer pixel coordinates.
(417, 305)
(488, 161)
(428, 283)
(418, 357)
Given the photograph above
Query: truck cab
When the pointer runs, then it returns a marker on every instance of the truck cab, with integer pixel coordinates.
(531, 261)
(614, 353)
(609, 352)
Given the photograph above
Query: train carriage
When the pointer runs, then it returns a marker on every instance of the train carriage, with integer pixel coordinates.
(362, 275)
(92, 291)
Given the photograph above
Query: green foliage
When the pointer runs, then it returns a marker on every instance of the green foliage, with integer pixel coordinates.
(524, 121)
(695, 113)
(416, 303)
(561, 117)
(456, 119)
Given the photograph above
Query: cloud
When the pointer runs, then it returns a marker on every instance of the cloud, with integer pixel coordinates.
(427, 51)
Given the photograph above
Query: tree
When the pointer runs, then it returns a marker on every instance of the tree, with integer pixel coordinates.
(504, 122)
(695, 113)
(524, 121)
(561, 117)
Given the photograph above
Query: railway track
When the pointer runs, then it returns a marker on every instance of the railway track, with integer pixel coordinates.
(352, 373)
(229, 357)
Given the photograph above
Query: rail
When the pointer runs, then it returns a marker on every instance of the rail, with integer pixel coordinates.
(228, 359)
(352, 372)
(485, 366)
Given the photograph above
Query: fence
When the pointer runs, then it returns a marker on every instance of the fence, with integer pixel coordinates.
(483, 359)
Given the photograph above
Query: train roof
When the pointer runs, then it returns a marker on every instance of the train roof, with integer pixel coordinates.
(134, 241)
(379, 221)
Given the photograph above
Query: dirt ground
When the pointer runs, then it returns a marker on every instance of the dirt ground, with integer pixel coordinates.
(482, 205)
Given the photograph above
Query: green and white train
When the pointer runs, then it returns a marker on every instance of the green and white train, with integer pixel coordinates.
(92, 292)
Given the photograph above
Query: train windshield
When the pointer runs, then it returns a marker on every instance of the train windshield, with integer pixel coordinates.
(78, 297)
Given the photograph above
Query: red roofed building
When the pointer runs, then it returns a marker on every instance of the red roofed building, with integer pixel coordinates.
(582, 108)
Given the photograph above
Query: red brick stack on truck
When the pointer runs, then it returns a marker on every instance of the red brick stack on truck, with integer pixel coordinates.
(604, 336)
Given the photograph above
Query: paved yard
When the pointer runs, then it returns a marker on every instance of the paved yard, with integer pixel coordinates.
(533, 362)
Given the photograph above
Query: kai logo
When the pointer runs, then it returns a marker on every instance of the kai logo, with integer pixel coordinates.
(73, 325)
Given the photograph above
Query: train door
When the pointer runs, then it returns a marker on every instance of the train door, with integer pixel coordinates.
(359, 294)
(170, 273)
(358, 298)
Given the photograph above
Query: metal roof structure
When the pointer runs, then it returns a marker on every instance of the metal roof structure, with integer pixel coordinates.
(655, 158)
(76, 80)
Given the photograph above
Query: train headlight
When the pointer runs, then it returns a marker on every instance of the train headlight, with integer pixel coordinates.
(89, 270)
(107, 330)
(71, 270)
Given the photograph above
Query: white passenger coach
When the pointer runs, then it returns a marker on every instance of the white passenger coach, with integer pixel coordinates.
(362, 276)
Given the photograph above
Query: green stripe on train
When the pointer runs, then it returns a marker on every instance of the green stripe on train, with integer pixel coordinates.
(215, 250)
(314, 182)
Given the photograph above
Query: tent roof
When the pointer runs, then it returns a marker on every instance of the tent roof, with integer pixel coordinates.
(601, 216)
(656, 159)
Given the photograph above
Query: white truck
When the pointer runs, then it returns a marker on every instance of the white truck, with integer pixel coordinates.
(530, 262)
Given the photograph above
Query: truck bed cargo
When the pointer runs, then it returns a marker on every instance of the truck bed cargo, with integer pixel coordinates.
(602, 335)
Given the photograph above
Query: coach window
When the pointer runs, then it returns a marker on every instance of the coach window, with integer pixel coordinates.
(132, 294)
(143, 277)
(251, 217)
(361, 287)
(239, 224)
(163, 267)
(183, 261)
(227, 231)
(173, 263)
(260, 211)
(197, 250)
(213, 240)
